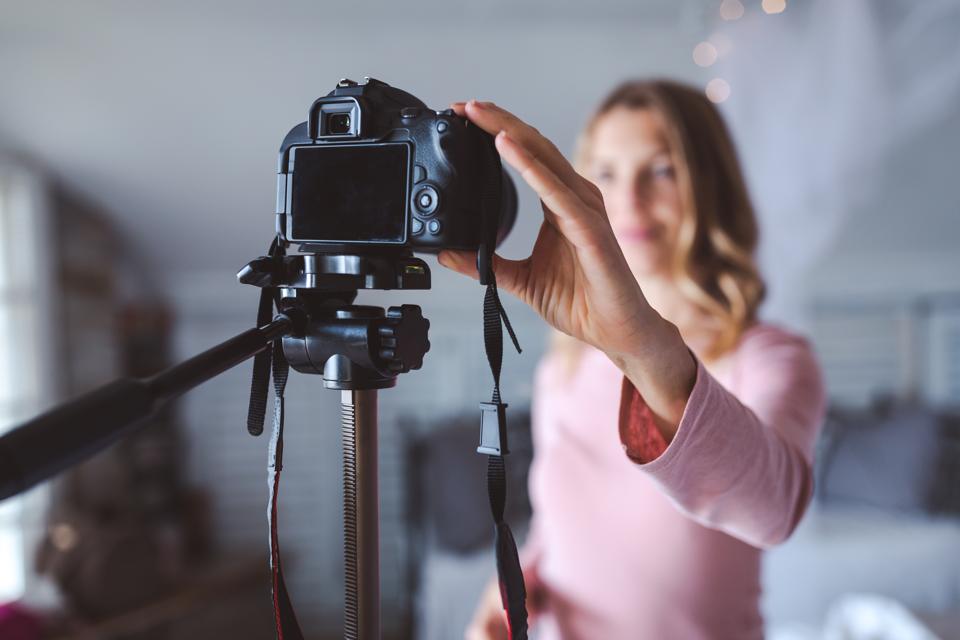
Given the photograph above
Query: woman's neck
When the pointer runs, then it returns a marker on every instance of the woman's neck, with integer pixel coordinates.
(661, 292)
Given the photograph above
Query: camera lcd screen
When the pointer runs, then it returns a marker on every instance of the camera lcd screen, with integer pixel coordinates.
(350, 193)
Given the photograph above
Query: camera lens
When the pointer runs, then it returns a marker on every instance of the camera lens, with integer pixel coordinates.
(508, 207)
(338, 123)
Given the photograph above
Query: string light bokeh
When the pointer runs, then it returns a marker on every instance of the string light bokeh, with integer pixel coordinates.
(774, 6)
(718, 90)
(707, 52)
(731, 9)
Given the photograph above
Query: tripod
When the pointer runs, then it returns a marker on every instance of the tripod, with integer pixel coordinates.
(356, 349)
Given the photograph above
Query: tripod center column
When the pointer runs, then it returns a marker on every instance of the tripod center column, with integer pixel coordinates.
(361, 514)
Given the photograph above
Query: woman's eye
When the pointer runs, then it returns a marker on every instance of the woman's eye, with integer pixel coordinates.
(603, 176)
(662, 171)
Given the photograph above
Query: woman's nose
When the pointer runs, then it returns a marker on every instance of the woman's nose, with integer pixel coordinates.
(633, 200)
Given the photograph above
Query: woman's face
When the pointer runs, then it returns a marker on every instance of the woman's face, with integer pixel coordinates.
(631, 163)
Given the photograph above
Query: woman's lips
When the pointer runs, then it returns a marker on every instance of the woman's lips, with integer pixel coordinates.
(637, 234)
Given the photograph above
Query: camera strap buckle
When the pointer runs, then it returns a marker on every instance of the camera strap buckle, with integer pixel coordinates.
(493, 429)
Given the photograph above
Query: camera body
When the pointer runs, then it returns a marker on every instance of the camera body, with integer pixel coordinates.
(374, 170)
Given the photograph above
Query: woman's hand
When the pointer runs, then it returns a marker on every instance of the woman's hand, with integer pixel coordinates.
(576, 277)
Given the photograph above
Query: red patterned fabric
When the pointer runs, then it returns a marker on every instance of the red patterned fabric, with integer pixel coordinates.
(640, 437)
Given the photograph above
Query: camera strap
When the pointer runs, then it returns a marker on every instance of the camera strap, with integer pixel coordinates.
(260, 382)
(493, 414)
(284, 618)
(266, 362)
(493, 443)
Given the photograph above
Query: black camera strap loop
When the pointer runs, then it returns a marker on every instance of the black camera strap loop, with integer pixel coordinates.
(265, 363)
(256, 413)
(260, 382)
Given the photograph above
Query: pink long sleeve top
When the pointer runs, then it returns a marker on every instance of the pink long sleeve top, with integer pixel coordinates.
(633, 538)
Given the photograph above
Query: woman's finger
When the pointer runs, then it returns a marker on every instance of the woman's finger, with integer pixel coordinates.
(494, 119)
(508, 272)
(464, 262)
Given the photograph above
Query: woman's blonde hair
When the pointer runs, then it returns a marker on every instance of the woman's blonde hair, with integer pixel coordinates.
(713, 265)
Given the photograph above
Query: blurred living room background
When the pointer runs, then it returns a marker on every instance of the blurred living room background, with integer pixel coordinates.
(138, 147)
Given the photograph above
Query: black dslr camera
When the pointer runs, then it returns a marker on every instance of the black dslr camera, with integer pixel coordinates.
(373, 169)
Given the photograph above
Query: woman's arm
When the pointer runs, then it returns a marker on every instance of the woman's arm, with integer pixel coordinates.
(740, 464)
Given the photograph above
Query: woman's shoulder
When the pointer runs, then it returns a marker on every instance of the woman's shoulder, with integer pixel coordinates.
(768, 344)
(777, 370)
(763, 334)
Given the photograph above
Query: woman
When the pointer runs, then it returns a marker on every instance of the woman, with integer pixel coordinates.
(673, 431)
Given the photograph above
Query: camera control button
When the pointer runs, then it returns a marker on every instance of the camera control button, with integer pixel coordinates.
(447, 112)
(417, 226)
(434, 226)
(442, 126)
(425, 200)
(408, 113)
(419, 173)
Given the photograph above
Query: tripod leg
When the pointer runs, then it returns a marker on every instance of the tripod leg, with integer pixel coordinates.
(361, 512)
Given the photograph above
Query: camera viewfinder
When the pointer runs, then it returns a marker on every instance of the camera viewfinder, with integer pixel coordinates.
(338, 123)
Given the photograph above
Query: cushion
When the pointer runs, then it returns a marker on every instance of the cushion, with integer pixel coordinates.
(886, 456)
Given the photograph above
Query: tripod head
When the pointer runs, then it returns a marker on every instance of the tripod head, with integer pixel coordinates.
(351, 346)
